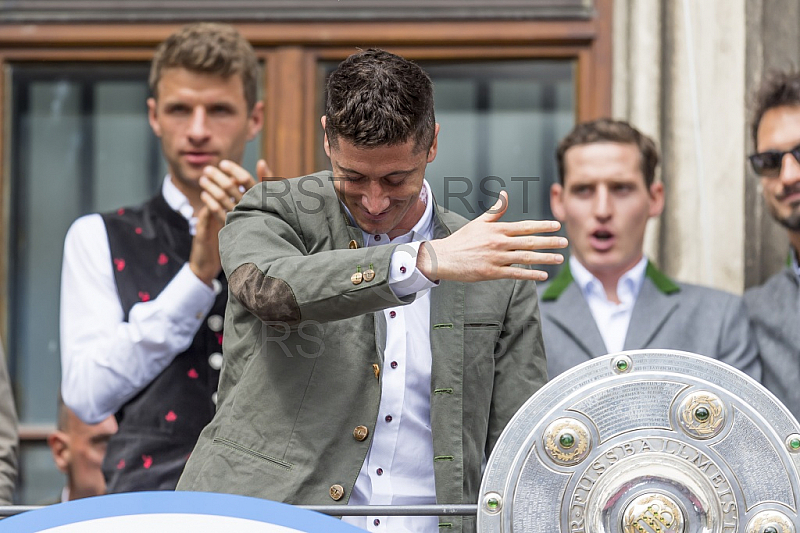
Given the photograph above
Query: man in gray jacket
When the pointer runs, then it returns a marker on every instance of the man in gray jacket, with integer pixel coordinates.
(609, 297)
(375, 345)
(775, 306)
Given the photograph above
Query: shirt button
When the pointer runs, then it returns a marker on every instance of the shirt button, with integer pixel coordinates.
(214, 398)
(215, 323)
(392, 314)
(402, 270)
(215, 360)
(377, 237)
(379, 471)
(394, 364)
(216, 285)
(360, 433)
(377, 522)
(388, 418)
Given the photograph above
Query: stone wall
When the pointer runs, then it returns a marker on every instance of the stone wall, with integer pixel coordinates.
(683, 73)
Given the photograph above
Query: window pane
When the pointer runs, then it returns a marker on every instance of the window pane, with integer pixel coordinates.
(80, 142)
(39, 482)
(76, 148)
(500, 124)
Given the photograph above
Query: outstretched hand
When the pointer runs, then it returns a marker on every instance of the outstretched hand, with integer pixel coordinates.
(487, 249)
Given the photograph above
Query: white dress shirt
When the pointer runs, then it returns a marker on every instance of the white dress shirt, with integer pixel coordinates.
(612, 318)
(105, 360)
(398, 469)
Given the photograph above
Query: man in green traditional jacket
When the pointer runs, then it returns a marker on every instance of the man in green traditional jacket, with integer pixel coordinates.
(609, 297)
(375, 345)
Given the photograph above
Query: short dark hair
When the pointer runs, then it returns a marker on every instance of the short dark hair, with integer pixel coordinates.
(778, 89)
(209, 48)
(608, 130)
(376, 98)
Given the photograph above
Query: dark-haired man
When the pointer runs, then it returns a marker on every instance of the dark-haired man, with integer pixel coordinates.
(361, 367)
(773, 307)
(609, 297)
(142, 295)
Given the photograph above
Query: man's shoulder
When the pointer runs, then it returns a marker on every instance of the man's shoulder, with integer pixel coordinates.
(310, 194)
(451, 219)
(702, 292)
(765, 295)
(710, 300)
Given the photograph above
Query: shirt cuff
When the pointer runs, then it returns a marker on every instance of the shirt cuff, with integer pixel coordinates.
(404, 277)
(187, 299)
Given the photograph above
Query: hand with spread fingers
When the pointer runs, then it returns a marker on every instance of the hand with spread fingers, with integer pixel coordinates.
(488, 249)
(223, 188)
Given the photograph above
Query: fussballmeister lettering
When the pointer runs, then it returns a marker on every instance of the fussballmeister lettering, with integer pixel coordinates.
(658, 445)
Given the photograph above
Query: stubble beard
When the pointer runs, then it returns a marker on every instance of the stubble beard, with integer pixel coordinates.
(790, 222)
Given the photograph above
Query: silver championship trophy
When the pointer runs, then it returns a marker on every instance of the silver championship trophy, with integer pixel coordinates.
(650, 441)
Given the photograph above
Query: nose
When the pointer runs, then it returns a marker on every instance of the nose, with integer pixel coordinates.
(602, 204)
(790, 170)
(373, 198)
(198, 128)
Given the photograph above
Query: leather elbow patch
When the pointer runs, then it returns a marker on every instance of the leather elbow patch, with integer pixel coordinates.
(270, 299)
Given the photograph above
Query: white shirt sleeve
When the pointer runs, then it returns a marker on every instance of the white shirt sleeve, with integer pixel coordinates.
(106, 361)
(404, 277)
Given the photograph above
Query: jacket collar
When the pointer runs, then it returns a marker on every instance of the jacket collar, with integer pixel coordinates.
(564, 279)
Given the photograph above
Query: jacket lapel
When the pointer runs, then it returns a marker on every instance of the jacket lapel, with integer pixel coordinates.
(652, 308)
(571, 313)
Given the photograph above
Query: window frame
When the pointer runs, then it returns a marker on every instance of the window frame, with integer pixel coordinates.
(291, 52)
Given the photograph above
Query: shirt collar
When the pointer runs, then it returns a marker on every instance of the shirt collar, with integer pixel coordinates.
(178, 202)
(422, 230)
(628, 286)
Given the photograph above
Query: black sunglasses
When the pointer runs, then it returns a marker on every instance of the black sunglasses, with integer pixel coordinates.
(768, 164)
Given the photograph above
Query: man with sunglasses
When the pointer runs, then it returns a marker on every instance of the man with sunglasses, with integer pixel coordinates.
(773, 307)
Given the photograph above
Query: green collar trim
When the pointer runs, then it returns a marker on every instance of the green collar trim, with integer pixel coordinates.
(564, 278)
(558, 285)
(660, 280)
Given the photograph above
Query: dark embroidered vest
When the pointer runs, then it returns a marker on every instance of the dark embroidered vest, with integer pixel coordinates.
(159, 427)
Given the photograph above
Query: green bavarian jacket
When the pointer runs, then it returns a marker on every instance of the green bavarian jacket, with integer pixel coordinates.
(303, 351)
